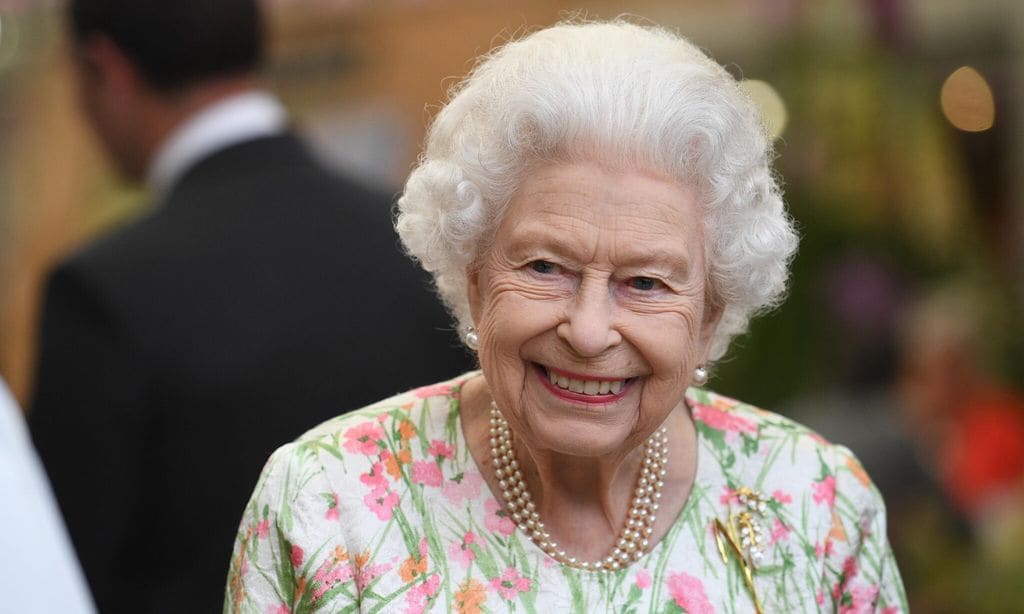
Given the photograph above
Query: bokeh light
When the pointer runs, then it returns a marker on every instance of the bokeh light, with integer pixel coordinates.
(967, 100)
(769, 103)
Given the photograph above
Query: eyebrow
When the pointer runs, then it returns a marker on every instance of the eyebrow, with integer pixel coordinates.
(533, 237)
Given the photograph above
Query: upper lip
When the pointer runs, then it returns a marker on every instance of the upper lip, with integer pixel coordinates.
(582, 376)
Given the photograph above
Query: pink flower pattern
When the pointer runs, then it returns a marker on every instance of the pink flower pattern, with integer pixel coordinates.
(722, 420)
(332, 508)
(440, 449)
(368, 574)
(825, 491)
(461, 552)
(363, 438)
(510, 584)
(427, 473)
(416, 598)
(331, 572)
(381, 502)
(496, 520)
(465, 487)
(779, 531)
(375, 477)
(688, 593)
(436, 390)
(643, 579)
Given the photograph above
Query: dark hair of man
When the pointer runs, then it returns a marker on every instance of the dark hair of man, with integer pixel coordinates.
(176, 43)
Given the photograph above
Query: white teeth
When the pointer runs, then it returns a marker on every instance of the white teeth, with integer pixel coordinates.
(589, 387)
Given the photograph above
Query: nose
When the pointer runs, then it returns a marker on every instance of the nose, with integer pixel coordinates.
(589, 327)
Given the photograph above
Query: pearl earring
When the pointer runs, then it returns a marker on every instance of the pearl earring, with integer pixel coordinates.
(700, 376)
(472, 339)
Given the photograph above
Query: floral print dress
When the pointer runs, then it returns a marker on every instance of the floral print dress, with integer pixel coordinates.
(384, 510)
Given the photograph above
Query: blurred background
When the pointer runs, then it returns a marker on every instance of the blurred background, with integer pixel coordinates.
(900, 140)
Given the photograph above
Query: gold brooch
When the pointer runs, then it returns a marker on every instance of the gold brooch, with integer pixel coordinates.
(745, 537)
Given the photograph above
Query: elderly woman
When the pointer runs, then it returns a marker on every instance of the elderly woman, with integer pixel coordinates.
(597, 209)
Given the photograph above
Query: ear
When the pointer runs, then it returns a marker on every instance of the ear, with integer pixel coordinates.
(106, 66)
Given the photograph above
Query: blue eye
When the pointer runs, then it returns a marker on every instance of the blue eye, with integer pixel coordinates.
(543, 266)
(643, 283)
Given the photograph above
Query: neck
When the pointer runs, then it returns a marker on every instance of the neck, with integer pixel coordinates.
(170, 111)
(584, 502)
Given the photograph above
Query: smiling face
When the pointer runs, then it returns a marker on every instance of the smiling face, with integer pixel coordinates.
(590, 307)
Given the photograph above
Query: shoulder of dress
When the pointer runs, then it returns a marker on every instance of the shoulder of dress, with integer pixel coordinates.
(713, 411)
(426, 403)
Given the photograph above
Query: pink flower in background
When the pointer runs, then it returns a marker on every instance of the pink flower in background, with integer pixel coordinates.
(279, 609)
(440, 448)
(820, 597)
(458, 489)
(891, 610)
(496, 520)
(381, 502)
(435, 390)
(782, 497)
(688, 593)
(332, 508)
(779, 531)
(427, 472)
(362, 438)
(461, 551)
(825, 491)
(643, 579)
(263, 528)
(510, 584)
(297, 555)
(375, 477)
(728, 497)
(721, 420)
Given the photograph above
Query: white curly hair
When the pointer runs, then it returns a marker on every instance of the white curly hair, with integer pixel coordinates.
(629, 96)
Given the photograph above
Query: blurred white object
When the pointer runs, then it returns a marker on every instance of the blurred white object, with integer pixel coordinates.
(39, 571)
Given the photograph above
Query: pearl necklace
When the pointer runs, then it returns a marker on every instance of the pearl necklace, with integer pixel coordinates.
(634, 540)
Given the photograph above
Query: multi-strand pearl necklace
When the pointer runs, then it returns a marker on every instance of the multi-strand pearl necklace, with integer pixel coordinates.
(634, 540)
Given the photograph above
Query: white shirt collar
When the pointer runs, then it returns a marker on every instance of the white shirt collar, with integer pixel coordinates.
(229, 121)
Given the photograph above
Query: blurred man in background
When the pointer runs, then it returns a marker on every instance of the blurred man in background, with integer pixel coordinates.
(261, 295)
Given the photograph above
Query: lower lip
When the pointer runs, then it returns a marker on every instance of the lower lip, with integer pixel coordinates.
(589, 399)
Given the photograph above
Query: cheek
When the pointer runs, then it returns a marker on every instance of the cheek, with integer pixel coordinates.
(669, 343)
(509, 318)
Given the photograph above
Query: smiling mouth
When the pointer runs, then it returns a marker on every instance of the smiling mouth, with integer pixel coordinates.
(587, 387)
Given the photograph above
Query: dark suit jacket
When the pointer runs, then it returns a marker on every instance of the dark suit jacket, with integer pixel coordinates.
(263, 297)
